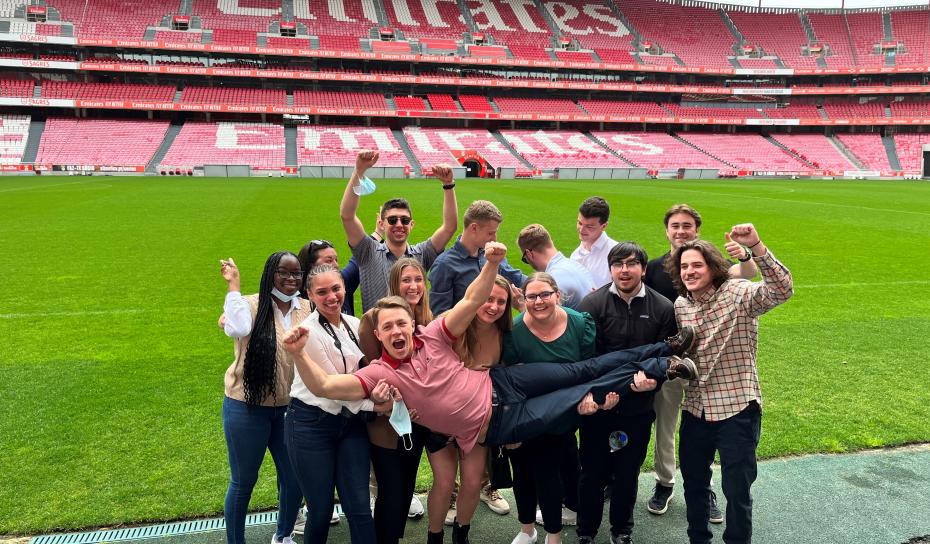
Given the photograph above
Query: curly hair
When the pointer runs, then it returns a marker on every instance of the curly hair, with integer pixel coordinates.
(260, 367)
(718, 266)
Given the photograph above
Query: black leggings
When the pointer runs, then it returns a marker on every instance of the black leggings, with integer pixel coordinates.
(396, 473)
(545, 472)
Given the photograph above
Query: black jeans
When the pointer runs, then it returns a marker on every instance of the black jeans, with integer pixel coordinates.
(599, 463)
(545, 471)
(736, 438)
(396, 473)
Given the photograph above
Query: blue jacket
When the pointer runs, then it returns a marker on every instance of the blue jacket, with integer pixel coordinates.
(454, 270)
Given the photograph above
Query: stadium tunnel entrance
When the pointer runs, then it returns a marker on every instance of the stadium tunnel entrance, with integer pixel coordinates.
(475, 165)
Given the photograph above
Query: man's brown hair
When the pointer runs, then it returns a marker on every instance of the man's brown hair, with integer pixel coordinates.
(534, 238)
(683, 208)
(718, 266)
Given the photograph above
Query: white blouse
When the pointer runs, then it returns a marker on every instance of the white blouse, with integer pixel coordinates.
(321, 347)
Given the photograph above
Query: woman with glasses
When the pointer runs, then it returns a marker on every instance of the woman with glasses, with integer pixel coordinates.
(320, 252)
(479, 347)
(545, 469)
(326, 439)
(257, 384)
(394, 465)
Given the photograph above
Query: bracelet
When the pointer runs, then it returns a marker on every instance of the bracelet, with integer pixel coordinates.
(748, 256)
(449, 186)
(759, 241)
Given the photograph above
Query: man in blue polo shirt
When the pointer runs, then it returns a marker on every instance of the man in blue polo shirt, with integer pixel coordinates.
(455, 269)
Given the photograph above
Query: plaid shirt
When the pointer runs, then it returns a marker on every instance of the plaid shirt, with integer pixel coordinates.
(727, 326)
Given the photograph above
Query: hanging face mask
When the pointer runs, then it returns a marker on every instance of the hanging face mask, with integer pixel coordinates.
(400, 420)
(282, 297)
(365, 187)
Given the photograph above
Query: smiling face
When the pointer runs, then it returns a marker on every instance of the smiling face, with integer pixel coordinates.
(398, 232)
(328, 293)
(628, 275)
(695, 274)
(412, 285)
(395, 332)
(327, 256)
(541, 299)
(287, 276)
(589, 229)
(681, 228)
(493, 308)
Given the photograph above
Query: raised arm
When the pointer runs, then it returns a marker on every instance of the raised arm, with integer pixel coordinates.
(321, 384)
(460, 316)
(450, 211)
(236, 320)
(776, 286)
(355, 231)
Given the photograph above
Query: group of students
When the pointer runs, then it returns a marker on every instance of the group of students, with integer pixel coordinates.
(597, 346)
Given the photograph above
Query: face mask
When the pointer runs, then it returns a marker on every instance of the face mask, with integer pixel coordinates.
(365, 187)
(282, 297)
(400, 420)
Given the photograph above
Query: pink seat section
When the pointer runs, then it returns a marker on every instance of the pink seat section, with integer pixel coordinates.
(910, 149)
(511, 23)
(14, 133)
(107, 91)
(435, 145)
(537, 105)
(911, 28)
(656, 150)
(552, 149)
(777, 34)
(433, 19)
(818, 150)
(593, 23)
(338, 145)
(234, 96)
(100, 142)
(697, 35)
(869, 149)
(635, 109)
(746, 152)
(331, 99)
(113, 19)
(254, 144)
(19, 88)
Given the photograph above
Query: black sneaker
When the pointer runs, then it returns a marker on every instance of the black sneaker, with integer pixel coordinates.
(681, 368)
(621, 539)
(683, 342)
(662, 495)
(585, 539)
(716, 516)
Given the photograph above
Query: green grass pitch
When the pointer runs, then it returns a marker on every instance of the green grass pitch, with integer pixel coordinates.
(111, 361)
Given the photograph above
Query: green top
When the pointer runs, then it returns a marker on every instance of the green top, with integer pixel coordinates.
(575, 344)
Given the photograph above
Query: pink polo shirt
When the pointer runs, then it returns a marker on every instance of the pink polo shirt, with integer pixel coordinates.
(449, 398)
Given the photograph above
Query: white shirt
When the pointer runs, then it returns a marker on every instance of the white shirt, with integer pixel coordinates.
(639, 294)
(322, 349)
(596, 259)
(238, 322)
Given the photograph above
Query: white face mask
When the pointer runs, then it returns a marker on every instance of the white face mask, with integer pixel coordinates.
(282, 297)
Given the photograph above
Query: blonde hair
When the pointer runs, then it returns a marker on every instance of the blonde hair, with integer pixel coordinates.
(421, 313)
(481, 211)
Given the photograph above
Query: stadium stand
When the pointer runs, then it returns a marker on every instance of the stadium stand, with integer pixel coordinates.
(259, 145)
(911, 28)
(410, 103)
(14, 133)
(552, 149)
(475, 103)
(818, 150)
(656, 150)
(330, 99)
(349, 18)
(865, 32)
(777, 34)
(233, 96)
(106, 91)
(910, 109)
(443, 21)
(442, 102)
(338, 145)
(108, 142)
(841, 109)
(869, 149)
(114, 19)
(793, 111)
(176, 36)
(246, 16)
(746, 152)
(611, 107)
(832, 30)
(513, 105)
(702, 112)
(17, 88)
(510, 23)
(593, 23)
(337, 43)
(435, 145)
(910, 149)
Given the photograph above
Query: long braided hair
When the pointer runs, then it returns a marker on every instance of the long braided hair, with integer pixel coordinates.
(260, 368)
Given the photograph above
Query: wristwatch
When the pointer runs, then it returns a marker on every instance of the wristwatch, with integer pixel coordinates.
(748, 255)
(449, 186)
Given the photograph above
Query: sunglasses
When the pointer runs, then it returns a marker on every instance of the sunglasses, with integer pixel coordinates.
(523, 257)
(404, 220)
(320, 244)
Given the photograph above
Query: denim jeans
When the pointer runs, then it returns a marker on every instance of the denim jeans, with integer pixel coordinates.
(736, 438)
(250, 430)
(330, 451)
(533, 399)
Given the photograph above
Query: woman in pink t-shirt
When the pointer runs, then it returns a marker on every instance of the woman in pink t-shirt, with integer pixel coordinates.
(480, 349)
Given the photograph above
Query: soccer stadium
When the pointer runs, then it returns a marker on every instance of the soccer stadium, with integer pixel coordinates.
(141, 141)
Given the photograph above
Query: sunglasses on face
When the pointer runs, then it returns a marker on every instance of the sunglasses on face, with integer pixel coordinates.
(404, 220)
(523, 257)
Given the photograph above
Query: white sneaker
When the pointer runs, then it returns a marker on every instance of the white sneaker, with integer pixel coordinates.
(523, 538)
(286, 540)
(450, 514)
(495, 501)
(569, 516)
(335, 519)
(301, 522)
(416, 508)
